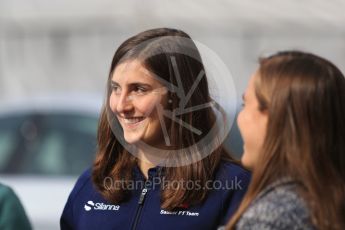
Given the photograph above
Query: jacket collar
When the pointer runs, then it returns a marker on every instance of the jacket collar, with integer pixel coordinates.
(152, 173)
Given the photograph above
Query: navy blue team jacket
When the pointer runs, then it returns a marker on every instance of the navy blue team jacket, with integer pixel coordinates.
(87, 209)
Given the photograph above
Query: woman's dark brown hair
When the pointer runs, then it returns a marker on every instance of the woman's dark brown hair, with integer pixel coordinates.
(304, 96)
(159, 50)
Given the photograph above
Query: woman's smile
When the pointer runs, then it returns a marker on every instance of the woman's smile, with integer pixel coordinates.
(131, 122)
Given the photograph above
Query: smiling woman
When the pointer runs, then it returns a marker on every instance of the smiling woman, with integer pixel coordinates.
(134, 98)
(152, 160)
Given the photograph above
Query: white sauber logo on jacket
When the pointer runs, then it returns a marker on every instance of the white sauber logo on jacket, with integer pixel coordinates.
(100, 206)
(179, 213)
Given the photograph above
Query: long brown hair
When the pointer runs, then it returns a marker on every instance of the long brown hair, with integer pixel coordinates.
(304, 96)
(114, 161)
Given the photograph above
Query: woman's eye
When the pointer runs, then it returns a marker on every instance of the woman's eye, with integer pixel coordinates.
(140, 90)
(116, 89)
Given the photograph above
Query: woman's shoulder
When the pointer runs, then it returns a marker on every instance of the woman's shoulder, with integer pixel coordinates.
(84, 182)
(5, 191)
(281, 193)
(229, 169)
(7, 195)
(279, 206)
(13, 214)
(84, 178)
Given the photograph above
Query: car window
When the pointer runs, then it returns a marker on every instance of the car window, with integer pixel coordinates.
(48, 144)
(8, 138)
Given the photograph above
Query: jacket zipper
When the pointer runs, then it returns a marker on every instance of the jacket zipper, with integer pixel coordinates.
(140, 207)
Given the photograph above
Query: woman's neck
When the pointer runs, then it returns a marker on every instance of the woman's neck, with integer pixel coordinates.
(148, 158)
(144, 162)
(144, 167)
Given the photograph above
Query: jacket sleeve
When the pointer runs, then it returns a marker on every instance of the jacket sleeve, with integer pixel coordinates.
(12, 214)
(67, 219)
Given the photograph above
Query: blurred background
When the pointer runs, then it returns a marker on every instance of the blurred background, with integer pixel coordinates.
(55, 57)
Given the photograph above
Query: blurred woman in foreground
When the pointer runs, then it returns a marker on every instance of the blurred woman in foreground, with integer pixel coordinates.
(293, 126)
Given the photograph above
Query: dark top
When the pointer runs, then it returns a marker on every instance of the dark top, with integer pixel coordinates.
(87, 209)
(12, 214)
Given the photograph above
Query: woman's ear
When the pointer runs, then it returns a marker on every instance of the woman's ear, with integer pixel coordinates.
(171, 100)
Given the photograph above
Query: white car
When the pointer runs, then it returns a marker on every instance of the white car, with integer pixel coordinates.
(45, 143)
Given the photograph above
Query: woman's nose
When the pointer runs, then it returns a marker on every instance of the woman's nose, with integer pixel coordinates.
(125, 103)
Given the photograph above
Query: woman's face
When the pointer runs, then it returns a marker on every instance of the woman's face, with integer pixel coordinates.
(137, 100)
(252, 124)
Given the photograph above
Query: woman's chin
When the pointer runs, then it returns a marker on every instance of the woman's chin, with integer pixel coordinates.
(131, 139)
(246, 160)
